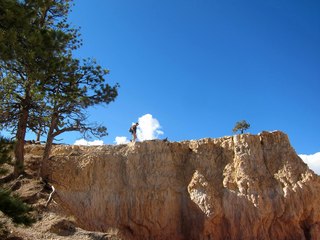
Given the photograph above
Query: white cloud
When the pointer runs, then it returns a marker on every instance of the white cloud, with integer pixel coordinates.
(88, 143)
(149, 128)
(121, 140)
(313, 161)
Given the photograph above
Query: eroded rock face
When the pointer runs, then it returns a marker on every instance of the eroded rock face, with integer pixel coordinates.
(240, 187)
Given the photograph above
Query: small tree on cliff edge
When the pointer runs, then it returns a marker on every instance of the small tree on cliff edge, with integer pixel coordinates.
(241, 126)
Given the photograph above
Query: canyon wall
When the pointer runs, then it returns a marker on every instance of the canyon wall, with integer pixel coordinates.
(238, 187)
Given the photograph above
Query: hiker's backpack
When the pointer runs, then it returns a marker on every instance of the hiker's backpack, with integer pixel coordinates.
(131, 130)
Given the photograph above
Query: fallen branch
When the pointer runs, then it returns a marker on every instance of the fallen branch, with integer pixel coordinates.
(50, 196)
(7, 179)
(16, 184)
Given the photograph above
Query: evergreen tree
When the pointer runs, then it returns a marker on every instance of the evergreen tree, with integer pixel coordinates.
(241, 126)
(31, 33)
(43, 88)
(73, 92)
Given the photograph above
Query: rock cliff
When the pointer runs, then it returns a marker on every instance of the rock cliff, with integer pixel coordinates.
(239, 187)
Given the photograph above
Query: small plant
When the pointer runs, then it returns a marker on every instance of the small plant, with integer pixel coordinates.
(6, 146)
(11, 205)
(241, 126)
(15, 208)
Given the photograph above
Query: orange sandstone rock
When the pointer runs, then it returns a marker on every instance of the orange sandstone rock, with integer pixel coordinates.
(239, 187)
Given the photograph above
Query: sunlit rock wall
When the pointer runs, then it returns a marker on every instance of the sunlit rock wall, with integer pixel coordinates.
(239, 187)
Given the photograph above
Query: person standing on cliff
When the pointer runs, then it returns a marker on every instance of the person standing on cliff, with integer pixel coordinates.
(133, 130)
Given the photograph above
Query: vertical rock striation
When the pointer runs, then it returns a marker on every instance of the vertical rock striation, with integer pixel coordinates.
(240, 187)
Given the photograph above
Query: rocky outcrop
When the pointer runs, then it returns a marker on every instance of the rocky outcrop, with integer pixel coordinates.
(239, 187)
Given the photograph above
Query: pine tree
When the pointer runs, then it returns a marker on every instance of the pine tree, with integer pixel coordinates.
(43, 87)
(241, 126)
(31, 33)
(73, 92)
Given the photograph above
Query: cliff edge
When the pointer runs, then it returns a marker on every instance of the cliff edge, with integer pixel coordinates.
(239, 187)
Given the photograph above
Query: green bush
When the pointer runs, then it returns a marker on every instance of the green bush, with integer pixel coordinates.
(10, 205)
(6, 146)
(15, 208)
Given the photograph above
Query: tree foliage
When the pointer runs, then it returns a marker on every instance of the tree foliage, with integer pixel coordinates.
(241, 126)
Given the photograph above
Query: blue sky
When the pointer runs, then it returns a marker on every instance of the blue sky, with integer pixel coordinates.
(199, 66)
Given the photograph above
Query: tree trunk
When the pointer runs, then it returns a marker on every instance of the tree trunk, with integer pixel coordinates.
(38, 136)
(46, 155)
(48, 147)
(19, 146)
